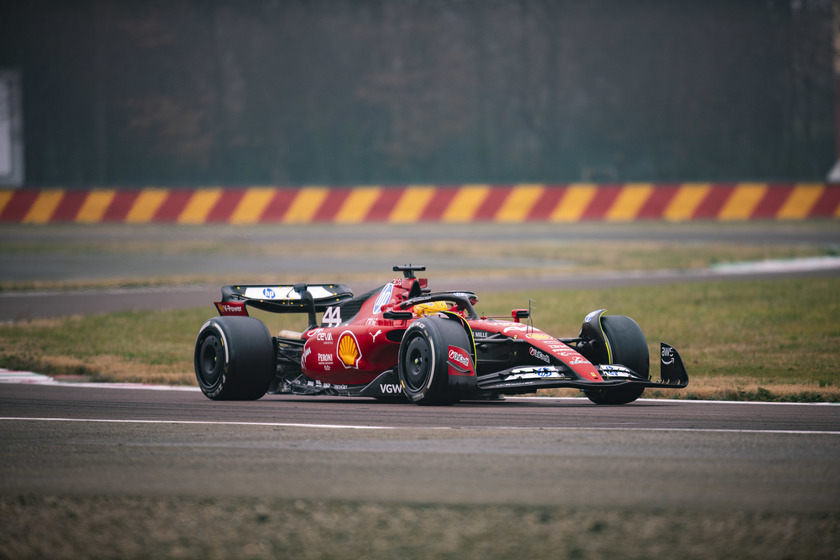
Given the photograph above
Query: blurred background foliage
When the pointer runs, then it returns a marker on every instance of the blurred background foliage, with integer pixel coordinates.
(225, 92)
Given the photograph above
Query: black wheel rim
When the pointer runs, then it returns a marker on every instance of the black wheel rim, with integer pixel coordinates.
(211, 360)
(418, 361)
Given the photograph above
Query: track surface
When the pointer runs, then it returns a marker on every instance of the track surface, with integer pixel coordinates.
(63, 439)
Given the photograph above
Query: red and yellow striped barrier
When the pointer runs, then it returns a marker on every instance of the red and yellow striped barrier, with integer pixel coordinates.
(571, 202)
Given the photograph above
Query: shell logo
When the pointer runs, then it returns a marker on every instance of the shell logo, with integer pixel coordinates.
(348, 350)
(538, 336)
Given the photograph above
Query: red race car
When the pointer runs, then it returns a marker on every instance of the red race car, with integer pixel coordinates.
(402, 340)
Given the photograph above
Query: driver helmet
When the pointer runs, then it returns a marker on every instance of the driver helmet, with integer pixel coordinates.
(431, 308)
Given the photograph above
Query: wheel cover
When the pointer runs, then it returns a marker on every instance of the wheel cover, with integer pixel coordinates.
(417, 364)
(211, 360)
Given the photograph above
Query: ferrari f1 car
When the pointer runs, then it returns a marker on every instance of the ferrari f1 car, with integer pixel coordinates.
(403, 340)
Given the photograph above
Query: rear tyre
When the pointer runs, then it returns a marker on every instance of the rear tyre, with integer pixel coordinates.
(234, 358)
(629, 348)
(423, 368)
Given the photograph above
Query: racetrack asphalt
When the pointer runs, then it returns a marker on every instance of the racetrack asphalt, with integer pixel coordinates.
(60, 438)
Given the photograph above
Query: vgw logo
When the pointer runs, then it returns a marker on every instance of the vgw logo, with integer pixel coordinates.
(390, 388)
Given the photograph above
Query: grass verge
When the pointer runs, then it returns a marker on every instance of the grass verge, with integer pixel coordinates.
(773, 340)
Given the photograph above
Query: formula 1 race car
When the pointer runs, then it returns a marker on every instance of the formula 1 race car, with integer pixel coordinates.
(402, 340)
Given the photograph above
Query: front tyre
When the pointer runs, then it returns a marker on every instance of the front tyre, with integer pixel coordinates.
(423, 367)
(628, 347)
(234, 358)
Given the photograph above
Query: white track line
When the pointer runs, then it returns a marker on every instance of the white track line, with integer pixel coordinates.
(460, 428)
(801, 264)
(32, 378)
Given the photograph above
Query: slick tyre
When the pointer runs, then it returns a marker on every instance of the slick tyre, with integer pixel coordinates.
(423, 368)
(628, 347)
(234, 358)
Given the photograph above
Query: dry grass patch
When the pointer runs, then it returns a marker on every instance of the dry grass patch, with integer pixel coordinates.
(231, 527)
(552, 249)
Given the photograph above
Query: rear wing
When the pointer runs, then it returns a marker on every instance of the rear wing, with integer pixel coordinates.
(297, 298)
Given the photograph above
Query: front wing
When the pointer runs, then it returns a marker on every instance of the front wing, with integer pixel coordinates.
(530, 378)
